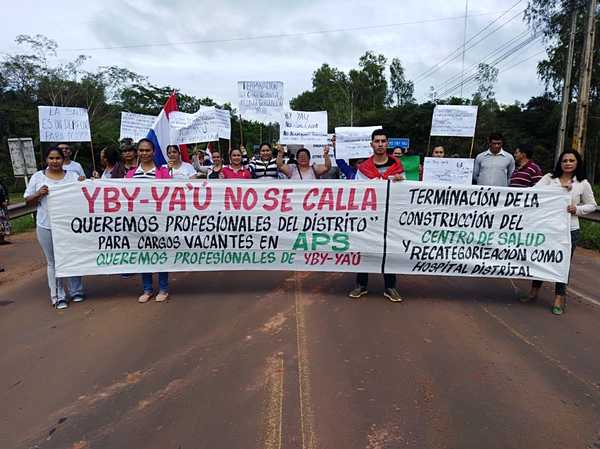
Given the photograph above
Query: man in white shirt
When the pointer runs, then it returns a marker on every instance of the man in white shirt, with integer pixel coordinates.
(494, 166)
(68, 164)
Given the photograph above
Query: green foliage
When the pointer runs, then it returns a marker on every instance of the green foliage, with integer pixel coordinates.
(590, 234)
(22, 224)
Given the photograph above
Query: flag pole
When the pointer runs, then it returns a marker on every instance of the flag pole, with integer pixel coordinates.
(93, 159)
(472, 145)
(241, 132)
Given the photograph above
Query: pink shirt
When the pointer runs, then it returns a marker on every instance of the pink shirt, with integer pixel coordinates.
(230, 173)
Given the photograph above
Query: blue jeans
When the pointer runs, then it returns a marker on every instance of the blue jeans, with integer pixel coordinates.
(163, 282)
(57, 285)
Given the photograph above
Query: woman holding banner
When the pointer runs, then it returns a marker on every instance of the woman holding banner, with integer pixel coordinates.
(569, 174)
(36, 194)
(178, 168)
(235, 169)
(148, 170)
(302, 169)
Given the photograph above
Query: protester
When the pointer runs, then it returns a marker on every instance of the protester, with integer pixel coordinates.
(265, 166)
(438, 151)
(236, 169)
(110, 158)
(148, 170)
(128, 153)
(70, 165)
(36, 194)
(303, 169)
(527, 173)
(199, 160)
(494, 166)
(214, 171)
(178, 168)
(4, 219)
(569, 174)
(398, 152)
(379, 166)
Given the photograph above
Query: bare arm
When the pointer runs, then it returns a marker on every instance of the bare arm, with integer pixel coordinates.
(281, 166)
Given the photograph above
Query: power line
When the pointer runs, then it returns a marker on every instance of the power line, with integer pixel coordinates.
(457, 52)
(274, 36)
(500, 48)
(508, 53)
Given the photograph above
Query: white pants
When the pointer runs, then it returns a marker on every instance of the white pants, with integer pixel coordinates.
(57, 289)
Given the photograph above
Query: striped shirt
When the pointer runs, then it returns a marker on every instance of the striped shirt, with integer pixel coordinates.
(264, 169)
(141, 174)
(526, 176)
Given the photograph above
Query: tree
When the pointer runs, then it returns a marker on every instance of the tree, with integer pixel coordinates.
(486, 77)
(401, 90)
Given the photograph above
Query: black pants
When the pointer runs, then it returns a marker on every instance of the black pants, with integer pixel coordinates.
(560, 289)
(389, 280)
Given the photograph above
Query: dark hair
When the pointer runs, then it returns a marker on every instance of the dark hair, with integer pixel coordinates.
(127, 144)
(579, 170)
(63, 143)
(51, 149)
(378, 132)
(112, 155)
(145, 140)
(495, 136)
(234, 149)
(526, 149)
(302, 150)
(174, 146)
(263, 144)
(215, 150)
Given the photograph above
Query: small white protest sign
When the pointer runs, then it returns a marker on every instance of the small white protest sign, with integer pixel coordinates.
(316, 152)
(60, 124)
(299, 127)
(354, 142)
(22, 156)
(135, 126)
(442, 170)
(261, 100)
(208, 124)
(454, 121)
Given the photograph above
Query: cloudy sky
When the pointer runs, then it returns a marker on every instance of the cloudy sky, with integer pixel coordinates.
(204, 47)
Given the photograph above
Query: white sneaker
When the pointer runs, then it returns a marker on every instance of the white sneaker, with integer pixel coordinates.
(62, 304)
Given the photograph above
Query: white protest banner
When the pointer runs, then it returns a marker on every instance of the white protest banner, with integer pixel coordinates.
(137, 226)
(304, 128)
(208, 124)
(443, 170)
(478, 231)
(22, 156)
(58, 124)
(354, 142)
(454, 121)
(217, 225)
(261, 100)
(135, 126)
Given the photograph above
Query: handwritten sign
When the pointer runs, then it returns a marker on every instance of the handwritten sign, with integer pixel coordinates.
(135, 126)
(59, 124)
(138, 226)
(316, 152)
(298, 127)
(454, 121)
(261, 100)
(440, 170)
(354, 142)
(208, 124)
(22, 156)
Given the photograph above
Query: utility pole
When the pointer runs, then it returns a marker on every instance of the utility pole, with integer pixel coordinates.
(585, 79)
(462, 73)
(566, 96)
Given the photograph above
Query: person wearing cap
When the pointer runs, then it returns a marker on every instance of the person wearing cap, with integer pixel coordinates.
(128, 153)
